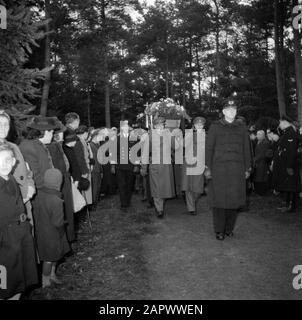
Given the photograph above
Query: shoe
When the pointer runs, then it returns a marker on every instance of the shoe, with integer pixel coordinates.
(230, 234)
(160, 214)
(193, 213)
(219, 236)
(143, 200)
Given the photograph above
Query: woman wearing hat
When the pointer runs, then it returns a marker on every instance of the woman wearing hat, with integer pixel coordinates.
(38, 157)
(193, 180)
(286, 177)
(228, 163)
(61, 162)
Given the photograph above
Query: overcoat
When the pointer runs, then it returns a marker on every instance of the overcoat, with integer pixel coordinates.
(38, 158)
(228, 157)
(87, 193)
(21, 171)
(17, 252)
(287, 157)
(60, 162)
(50, 227)
(161, 174)
(261, 161)
(194, 182)
(79, 156)
(96, 173)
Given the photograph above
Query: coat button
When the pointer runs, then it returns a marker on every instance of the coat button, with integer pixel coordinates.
(21, 178)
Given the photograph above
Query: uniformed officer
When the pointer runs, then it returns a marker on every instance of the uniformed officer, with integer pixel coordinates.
(228, 163)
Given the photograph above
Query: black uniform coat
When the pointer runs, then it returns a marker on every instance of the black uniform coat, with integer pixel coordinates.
(228, 157)
(287, 157)
(17, 251)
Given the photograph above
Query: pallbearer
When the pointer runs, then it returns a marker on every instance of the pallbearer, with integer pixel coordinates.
(160, 171)
(192, 172)
(228, 163)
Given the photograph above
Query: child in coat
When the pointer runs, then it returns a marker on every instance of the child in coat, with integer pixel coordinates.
(50, 227)
(17, 252)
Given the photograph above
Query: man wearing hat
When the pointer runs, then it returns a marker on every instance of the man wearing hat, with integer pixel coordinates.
(228, 163)
(193, 180)
(286, 176)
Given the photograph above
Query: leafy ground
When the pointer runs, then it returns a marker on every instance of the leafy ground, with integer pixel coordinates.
(134, 255)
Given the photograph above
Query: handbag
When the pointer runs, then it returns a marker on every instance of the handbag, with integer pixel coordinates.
(79, 201)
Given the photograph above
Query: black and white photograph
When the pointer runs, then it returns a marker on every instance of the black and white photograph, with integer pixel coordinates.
(150, 150)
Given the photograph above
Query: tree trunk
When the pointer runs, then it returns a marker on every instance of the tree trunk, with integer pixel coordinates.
(298, 69)
(167, 69)
(88, 107)
(106, 69)
(198, 75)
(46, 85)
(278, 61)
(191, 71)
(217, 36)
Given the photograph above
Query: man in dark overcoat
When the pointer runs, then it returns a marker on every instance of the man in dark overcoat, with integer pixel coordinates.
(228, 164)
(286, 175)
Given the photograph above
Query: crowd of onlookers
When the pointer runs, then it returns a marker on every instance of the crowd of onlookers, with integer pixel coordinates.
(42, 174)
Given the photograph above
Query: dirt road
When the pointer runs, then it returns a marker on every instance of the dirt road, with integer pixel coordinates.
(135, 255)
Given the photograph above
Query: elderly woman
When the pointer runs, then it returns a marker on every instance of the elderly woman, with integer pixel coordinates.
(21, 171)
(192, 174)
(38, 157)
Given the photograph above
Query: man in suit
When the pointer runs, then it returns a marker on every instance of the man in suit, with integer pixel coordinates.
(123, 167)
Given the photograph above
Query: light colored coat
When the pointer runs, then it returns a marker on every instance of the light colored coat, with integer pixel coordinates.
(190, 181)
